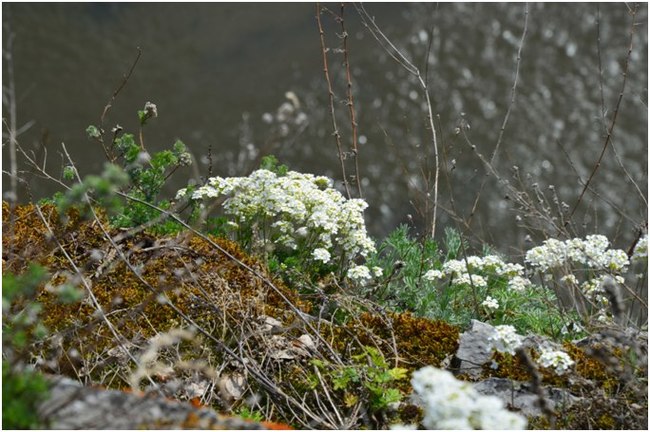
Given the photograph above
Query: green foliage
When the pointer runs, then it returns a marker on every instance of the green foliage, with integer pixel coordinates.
(102, 188)
(403, 261)
(21, 394)
(147, 175)
(93, 132)
(140, 176)
(272, 164)
(368, 378)
(250, 414)
(22, 389)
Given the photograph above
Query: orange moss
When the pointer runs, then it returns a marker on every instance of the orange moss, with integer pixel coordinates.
(420, 342)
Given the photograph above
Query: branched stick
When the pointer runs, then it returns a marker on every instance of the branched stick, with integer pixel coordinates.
(400, 58)
(350, 103)
(10, 97)
(125, 78)
(610, 130)
(603, 110)
(513, 92)
(248, 268)
(118, 337)
(336, 133)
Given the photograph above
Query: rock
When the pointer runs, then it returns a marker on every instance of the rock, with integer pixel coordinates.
(473, 350)
(518, 395)
(71, 405)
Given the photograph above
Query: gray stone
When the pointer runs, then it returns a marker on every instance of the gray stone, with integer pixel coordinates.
(473, 349)
(517, 395)
(71, 405)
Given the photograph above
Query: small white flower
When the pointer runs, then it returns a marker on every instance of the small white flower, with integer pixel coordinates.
(377, 271)
(181, 193)
(490, 303)
(449, 403)
(467, 279)
(558, 360)
(321, 254)
(519, 283)
(641, 249)
(570, 279)
(358, 273)
(505, 339)
(433, 275)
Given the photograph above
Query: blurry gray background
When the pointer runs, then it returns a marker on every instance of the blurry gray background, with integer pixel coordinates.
(219, 73)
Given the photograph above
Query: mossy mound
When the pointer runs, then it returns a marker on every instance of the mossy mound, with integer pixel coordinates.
(148, 283)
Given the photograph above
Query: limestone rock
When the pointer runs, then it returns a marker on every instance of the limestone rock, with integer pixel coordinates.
(71, 405)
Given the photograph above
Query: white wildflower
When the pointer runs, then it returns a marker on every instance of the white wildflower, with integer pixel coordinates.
(358, 273)
(558, 360)
(181, 193)
(449, 403)
(490, 303)
(321, 254)
(467, 279)
(570, 279)
(519, 283)
(433, 275)
(505, 339)
(641, 249)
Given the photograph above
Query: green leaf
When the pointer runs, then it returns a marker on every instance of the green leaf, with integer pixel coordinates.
(392, 395)
(93, 132)
(318, 363)
(398, 373)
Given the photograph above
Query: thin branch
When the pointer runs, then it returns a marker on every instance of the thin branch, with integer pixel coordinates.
(603, 110)
(610, 130)
(350, 103)
(336, 133)
(397, 55)
(125, 79)
(513, 91)
(9, 95)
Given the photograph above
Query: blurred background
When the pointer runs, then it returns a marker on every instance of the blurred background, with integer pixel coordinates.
(220, 75)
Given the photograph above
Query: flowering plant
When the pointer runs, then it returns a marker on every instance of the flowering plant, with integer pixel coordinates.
(506, 340)
(449, 403)
(585, 264)
(290, 214)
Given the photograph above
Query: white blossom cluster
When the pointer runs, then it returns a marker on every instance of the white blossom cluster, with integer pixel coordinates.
(490, 303)
(465, 272)
(591, 252)
(558, 360)
(449, 403)
(641, 249)
(506, 340)
(292, 210)
(361, 273)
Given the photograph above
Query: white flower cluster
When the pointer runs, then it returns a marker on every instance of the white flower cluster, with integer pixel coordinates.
(490, 303)
(505, 339)
(360, 273)
(558, 360)
(293, 209)
(641, 249)
(449, 403)
(591, 252)
(465, 272)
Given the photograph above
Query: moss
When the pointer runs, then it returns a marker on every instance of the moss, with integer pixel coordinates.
(419, 341)
(202, 281)
(223, 298)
